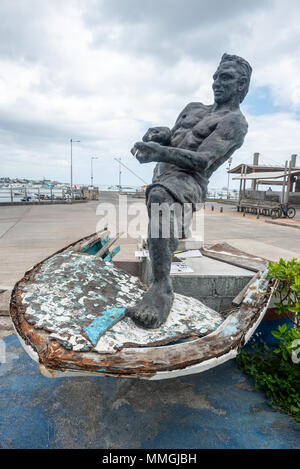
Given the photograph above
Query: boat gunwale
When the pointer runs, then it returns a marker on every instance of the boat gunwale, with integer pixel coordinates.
(135, 361)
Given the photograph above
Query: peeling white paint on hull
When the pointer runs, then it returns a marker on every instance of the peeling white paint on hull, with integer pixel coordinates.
(69, 313)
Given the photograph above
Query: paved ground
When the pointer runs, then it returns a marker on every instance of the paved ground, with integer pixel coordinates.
(29, 234)
(231, 207)
(215, 409)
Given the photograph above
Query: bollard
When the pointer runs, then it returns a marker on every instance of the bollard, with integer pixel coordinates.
(212, 208)
(221, 209)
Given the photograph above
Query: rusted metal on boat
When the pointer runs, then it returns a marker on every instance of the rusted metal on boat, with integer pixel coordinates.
(241, 295)
(68, 312)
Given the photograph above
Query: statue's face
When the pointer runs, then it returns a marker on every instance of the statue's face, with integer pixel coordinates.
(227, 83)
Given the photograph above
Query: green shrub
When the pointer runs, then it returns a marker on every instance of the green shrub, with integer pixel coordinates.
(277, 371)
(287, 274)
(278, 377)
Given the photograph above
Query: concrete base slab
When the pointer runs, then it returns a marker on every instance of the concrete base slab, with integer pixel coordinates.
(183, 244)
(213, 282)
(190, 243)
(259, 248)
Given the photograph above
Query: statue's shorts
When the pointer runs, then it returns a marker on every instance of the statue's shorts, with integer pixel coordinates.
(182, 190)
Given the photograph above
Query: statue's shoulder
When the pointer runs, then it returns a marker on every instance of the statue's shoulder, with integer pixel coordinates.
(237, 119)
(195, 106)
(192, 108)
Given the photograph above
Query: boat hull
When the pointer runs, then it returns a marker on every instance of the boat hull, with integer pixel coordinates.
(69, 314)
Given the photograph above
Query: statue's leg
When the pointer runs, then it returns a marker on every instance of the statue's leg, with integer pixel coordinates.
(157, 302)
(184, 218)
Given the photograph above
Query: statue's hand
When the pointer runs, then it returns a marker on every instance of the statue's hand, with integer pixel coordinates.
(161, 135)
(146, 152)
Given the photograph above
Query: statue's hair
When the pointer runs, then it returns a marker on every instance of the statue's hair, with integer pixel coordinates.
(245, 70)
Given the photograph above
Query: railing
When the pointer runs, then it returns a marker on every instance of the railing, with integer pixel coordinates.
(222, 195)
(37, 194)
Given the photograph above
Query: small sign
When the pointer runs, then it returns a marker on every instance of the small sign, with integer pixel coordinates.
(180, 268)
(144, 253)
(189, 253)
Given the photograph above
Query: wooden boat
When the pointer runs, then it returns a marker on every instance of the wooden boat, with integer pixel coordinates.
(69, 314)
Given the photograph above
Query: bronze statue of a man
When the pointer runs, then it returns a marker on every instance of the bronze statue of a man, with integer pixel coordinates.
(202, 139)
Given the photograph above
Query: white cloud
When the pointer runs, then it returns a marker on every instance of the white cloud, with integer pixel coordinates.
(275, 136)
(103, 71)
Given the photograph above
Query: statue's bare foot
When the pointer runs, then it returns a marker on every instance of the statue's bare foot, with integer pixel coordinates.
(153, 309)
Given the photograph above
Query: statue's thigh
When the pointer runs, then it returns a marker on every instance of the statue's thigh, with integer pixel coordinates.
(158, 195)
(184, 217)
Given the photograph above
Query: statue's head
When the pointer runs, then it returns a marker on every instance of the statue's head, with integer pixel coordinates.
(232, 79)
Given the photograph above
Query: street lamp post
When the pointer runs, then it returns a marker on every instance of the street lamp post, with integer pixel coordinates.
(228, 169)
(120, 173)
(92, 177)
(71, 142)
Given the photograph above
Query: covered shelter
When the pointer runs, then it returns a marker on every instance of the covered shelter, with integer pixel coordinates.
(286, 179)
(287, 176)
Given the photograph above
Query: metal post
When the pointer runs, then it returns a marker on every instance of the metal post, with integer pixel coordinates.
(39, 195)
(120, 174)
(71, 171)
(293, 160)
(229, 165)
(130, 170)
(241, 183)
(284, 183)
(293, 166)
(11, 195)
(244, 180)
(71, 142)
(288, 183)
(92, 176)
(255, 163)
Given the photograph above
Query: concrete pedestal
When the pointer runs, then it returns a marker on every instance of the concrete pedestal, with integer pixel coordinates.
(183, 244)
(213, 282)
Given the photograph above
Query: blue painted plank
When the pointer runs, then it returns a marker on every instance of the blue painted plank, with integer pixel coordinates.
(100, 324)
(111, 254)
(115, 251)
(95, 247)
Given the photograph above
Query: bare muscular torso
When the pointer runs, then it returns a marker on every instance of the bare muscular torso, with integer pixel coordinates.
(194, 124)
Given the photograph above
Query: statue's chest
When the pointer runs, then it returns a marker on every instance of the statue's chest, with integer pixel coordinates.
(194, 127)
(205, 126)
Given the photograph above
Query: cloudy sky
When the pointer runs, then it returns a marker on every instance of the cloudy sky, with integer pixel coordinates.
(103, 71)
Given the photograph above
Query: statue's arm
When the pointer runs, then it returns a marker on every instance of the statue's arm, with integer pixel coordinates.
(227, 137)
(162, 135)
